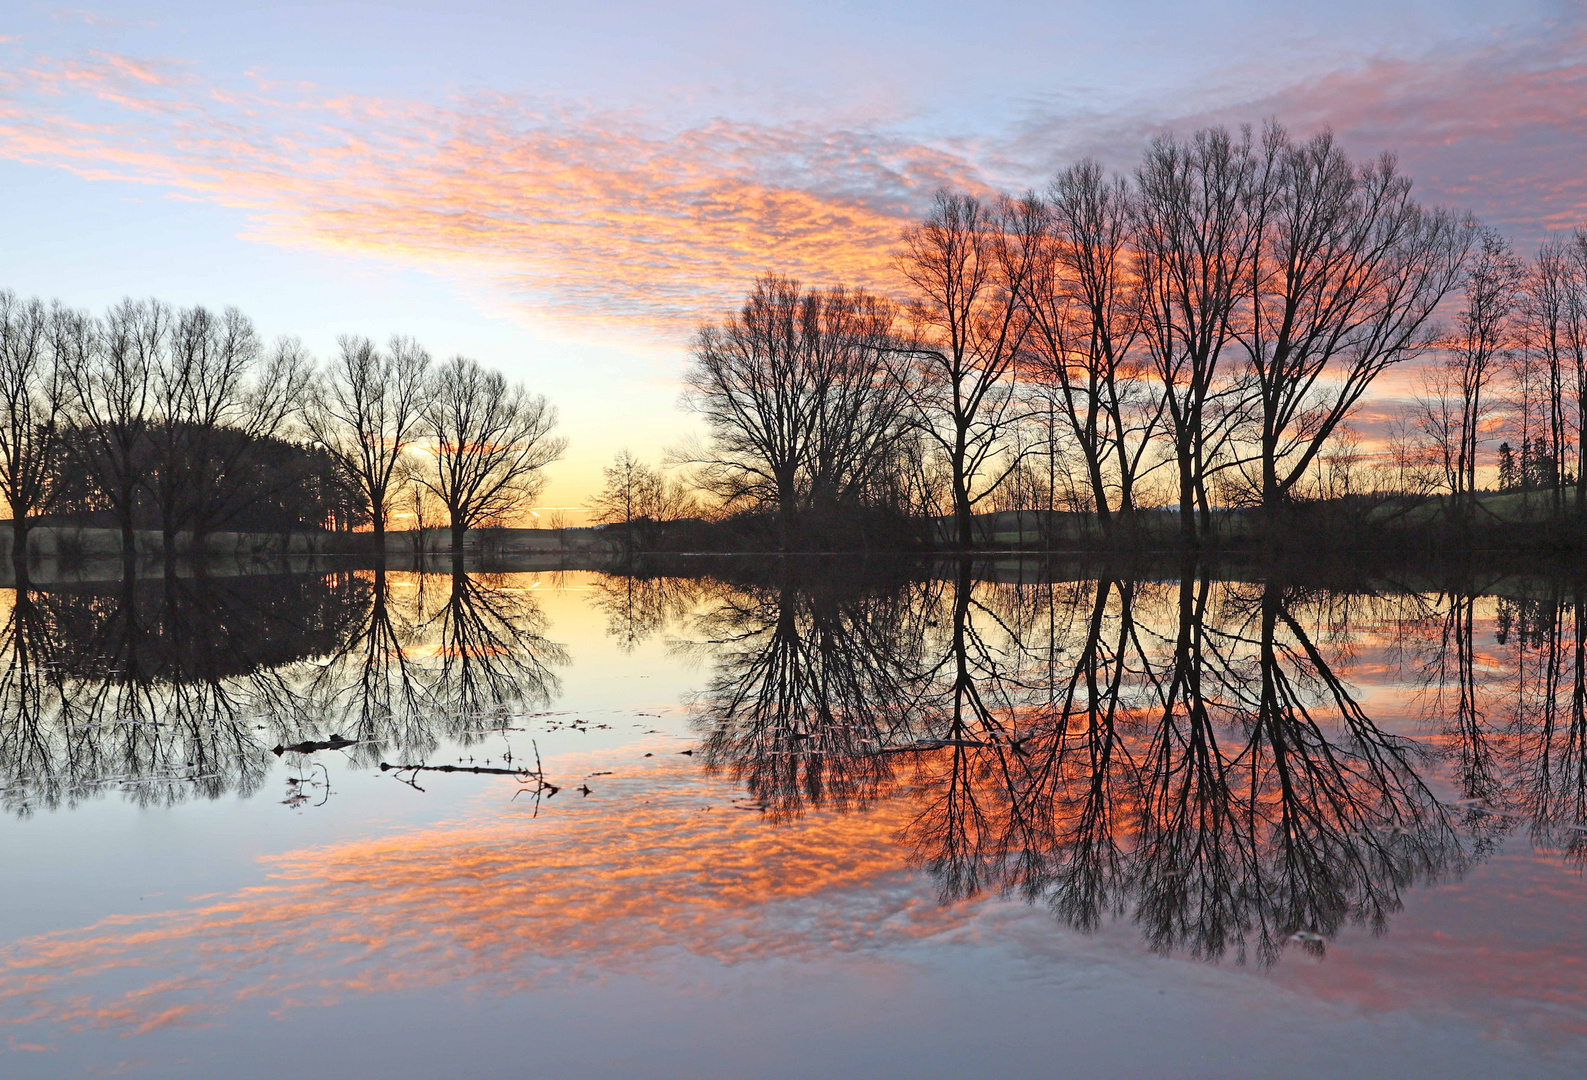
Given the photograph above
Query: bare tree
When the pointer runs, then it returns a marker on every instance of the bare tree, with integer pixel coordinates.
(1576, 345)
(491, 439)
(637, 492)
(1408, 471)
(367, 409)
(1438, 412)
(1554, 317)
(1199, 225)
(799, 399)
(1086, 335)
(34, 392)
(113, 401)
(629, 483)
(969, 265)
(217, 393)
(238, 414)
(861, 403)
(1474, 353)
(1348, 272)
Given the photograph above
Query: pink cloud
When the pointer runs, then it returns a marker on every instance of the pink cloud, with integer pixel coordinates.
(626, 218)
(578, 213)
(1498, 129)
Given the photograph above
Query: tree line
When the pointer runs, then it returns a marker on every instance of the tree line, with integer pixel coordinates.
(186, 420)
(1196, 334)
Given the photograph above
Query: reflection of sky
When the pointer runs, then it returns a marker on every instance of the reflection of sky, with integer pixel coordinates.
(662, 884)
(654, 929)
(564, 191)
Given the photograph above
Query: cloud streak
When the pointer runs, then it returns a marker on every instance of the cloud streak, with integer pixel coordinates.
(1497, 129)
(646, 224)
(577, 212)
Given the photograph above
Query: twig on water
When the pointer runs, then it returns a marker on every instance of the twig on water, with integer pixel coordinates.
(525, 777)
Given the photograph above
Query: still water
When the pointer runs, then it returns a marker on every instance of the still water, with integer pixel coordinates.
(792, 819)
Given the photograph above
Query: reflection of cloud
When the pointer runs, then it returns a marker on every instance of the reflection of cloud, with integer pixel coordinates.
(503, 901)
(577, 211)
(1510, 953)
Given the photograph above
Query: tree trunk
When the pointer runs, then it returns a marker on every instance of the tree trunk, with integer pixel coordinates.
(963, 684)
(1099, 491)
(1095, 453)
(20, 527)
(963, 512)
(964, 515)
(129, 543)
(377, 612)
(1271, 495)
(785, 511)
(458, 529)
(1187, 498)
(1581, 459)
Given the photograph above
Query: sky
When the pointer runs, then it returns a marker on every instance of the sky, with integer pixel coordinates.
(565, 191)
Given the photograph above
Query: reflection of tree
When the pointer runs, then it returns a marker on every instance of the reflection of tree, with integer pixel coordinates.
(1271, 803)
(155, 689)
(812, 679)
(638, 607)
(368, 689)
(178, 687)
(1457, 663)
(967, 825)
(30, 754)
(428, 656)
(1515, 721)
(1550, 722)
(1076, 768)
(492, 658)
(1183, 754)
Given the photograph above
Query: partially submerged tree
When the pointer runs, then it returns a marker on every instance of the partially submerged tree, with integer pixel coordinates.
(367, 409)
(799, 398)
(490, 439)
(36, 344)
(969, 265)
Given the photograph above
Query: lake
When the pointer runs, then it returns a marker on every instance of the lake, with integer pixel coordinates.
(794, 818)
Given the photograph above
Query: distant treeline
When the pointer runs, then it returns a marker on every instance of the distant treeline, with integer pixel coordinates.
(186, 421)
(1196, 335)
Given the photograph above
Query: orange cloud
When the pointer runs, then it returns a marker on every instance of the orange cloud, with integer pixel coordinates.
(578, 213)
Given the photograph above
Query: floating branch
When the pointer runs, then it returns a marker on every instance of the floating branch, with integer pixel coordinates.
(521, 773)
(532, 779)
